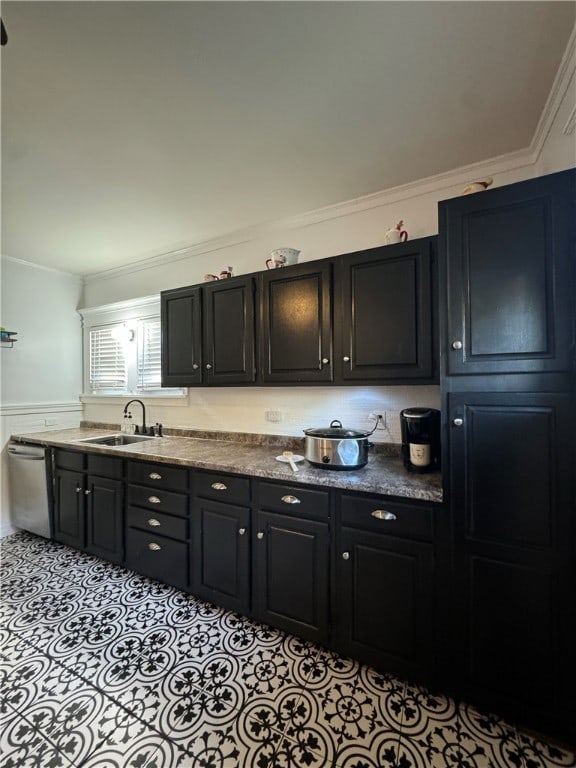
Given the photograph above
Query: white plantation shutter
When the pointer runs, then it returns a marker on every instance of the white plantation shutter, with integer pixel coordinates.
(107, 361)
(149, 338)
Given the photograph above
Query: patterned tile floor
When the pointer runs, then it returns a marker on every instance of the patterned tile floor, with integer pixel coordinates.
(102, 668)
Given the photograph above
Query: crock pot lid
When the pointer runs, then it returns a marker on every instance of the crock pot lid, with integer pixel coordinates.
(335, 431)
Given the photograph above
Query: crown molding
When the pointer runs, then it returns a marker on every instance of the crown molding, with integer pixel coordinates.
(76, 277)
(570, 126)
(562, 81)
(121, 307)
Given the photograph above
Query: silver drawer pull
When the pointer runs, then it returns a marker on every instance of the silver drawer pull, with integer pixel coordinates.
(154, 547)
(260, 535)
(154, 500)
(153, 522)
(382, 514)
(291, 500)
(219, 487)
(155, 476)
(241, 531)
(345, 555)
(458, 422)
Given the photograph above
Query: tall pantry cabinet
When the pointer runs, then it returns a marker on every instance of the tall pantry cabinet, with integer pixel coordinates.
(508, 296)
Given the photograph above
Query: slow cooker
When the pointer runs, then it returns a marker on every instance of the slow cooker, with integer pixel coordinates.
(336, 447)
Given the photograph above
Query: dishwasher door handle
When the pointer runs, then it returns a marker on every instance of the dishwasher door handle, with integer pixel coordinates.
(25, 456)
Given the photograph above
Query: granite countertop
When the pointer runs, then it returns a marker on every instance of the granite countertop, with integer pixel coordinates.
(384, 473)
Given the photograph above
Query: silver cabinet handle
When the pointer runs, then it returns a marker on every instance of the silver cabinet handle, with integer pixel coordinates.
(458, 422)
(260, 535)
(154, 547)
(382, 514)
(78, 489)
(456, 345)
(219, 487)
(153, 522)
(87, 492)
(241, 531)
(291, 500)
(345, 555)
(208, 367)
(194, 366)
(325, 361)
(155, 476)
(154, 500)
(346, 359)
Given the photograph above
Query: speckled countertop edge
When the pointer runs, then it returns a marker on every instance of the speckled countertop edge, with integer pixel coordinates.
(384, 474)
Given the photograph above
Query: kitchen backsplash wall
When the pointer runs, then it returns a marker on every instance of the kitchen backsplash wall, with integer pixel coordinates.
(296, 408)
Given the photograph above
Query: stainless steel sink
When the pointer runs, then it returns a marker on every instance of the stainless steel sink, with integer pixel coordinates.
(116, 440)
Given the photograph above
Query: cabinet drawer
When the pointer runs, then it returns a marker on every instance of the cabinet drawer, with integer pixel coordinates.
(104, 466)
(157, 522)
(380, 515)
(158, 500)
(70, 460)
(295, 500)
(222, 487)
(158, 475)
(158, 557)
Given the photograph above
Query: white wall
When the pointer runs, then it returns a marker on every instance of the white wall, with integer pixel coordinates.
(41, 377)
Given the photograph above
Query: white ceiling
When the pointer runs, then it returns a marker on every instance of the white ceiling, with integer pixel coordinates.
(131, 129)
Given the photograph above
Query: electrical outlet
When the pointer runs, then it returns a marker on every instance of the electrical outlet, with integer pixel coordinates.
(274, 416)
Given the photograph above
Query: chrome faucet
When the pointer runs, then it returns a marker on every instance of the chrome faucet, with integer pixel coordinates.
(143, 430)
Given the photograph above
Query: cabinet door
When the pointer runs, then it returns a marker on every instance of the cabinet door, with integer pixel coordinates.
(291, 576)
(385, 328)
(512, 490)
(386, 593)
(221, 554)
(510, 289)
(229, 332)
(69, 516)
(104, 518)
(296, 326)
(181, 322)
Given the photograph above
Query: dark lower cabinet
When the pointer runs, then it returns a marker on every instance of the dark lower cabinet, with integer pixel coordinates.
(221, 554)
(386, 594)
(69, 508)
(104, 513)
(290, 574)
(511, 473)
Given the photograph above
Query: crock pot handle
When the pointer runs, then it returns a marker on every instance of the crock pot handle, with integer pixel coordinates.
(335, 423)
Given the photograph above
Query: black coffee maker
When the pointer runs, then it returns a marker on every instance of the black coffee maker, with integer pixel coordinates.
(420, 439)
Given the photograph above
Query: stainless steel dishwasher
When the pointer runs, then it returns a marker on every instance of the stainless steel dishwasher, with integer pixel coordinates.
(29, 488)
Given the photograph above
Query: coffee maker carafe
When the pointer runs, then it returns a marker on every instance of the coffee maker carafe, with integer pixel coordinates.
(420, 439)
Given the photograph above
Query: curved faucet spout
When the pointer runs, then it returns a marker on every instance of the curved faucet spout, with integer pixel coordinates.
(141, 429)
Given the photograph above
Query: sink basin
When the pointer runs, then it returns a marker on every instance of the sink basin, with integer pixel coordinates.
(116, 440)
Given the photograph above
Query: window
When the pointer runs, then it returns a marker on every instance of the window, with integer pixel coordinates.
(123, 350)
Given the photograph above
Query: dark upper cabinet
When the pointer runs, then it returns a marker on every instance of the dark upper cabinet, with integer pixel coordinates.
(512, 487)
(181, 321)
(296, 324)
(508, 259)
(229, 351)
(385, 326)
(208, 334)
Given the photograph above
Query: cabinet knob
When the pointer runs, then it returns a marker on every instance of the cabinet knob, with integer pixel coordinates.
(458, 422)
(194, 366)
(219, 487)
(456, 345)
(382, 514)
(154, 547)
(87, 492)
(291, 500)
(241, 531)
(346, 359)
(155, 476)
(154, 500)
(260, 535)
(153, 522)
(208, 367)
(345, 555)
(78, 489)
(325, 361)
